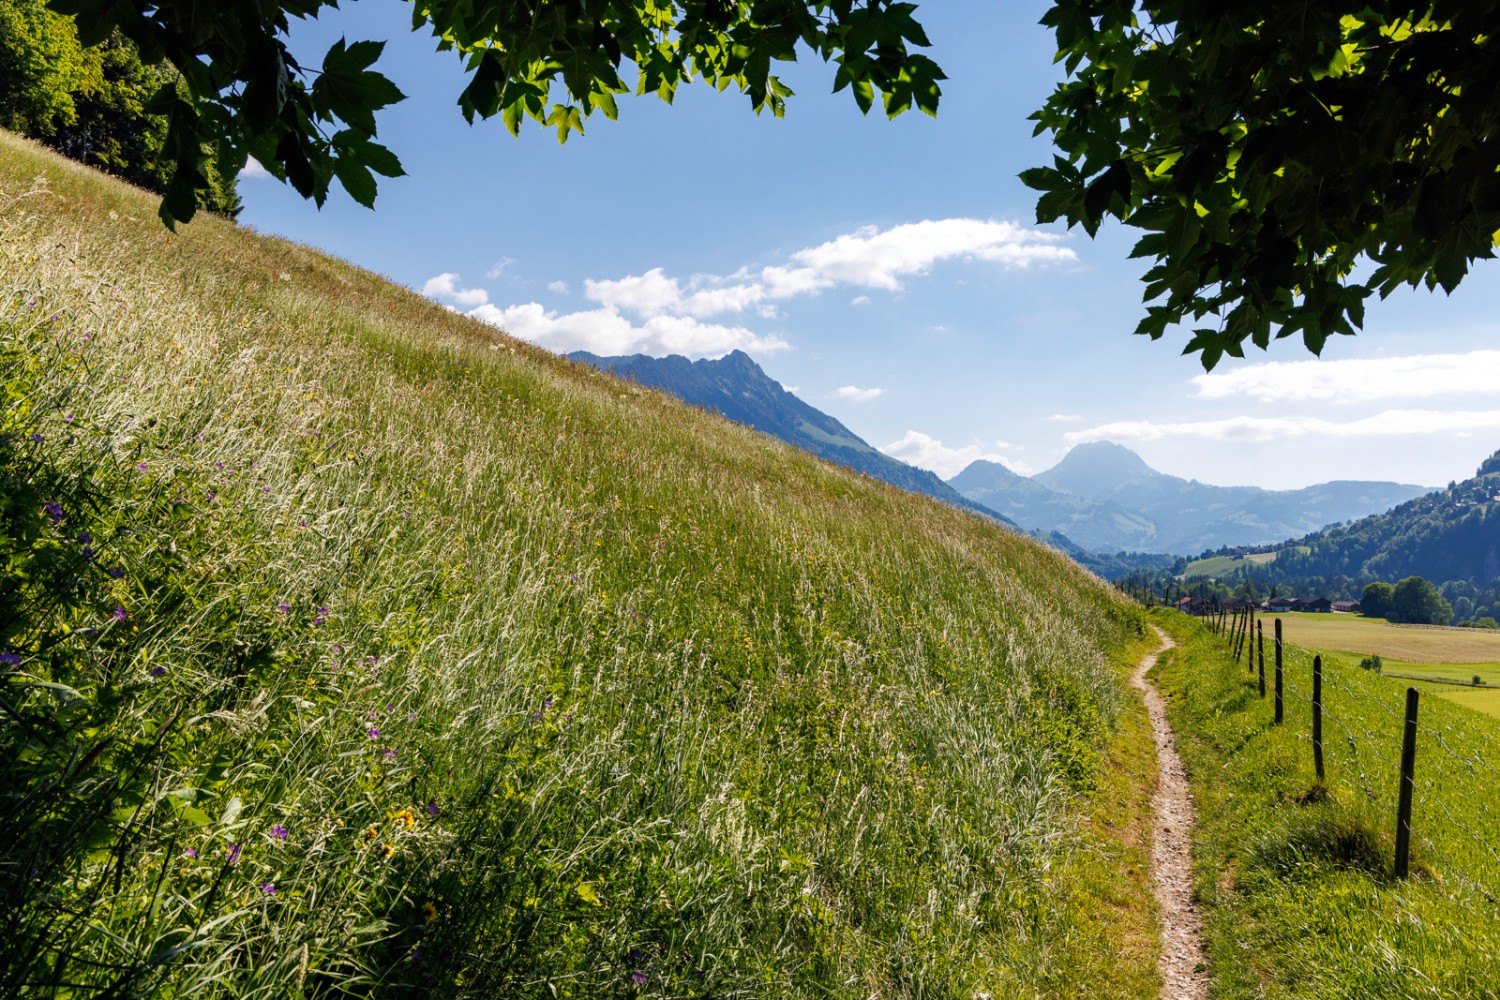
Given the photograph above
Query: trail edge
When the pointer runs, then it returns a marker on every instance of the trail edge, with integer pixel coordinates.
(1184, 963)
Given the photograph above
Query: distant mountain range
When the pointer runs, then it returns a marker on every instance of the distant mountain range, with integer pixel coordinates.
(738, 388)
(1105, 498)
(1448, 534)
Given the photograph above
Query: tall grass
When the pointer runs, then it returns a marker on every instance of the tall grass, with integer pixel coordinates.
(354, 648)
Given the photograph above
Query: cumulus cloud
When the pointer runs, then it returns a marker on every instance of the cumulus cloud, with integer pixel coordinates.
(253, 168)
(927, 452)
(445, 286)
(855, 394)
(655, 312)
(605, 331)
(1387, 423)
(1417, 376)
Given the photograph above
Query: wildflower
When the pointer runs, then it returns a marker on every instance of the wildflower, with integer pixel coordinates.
(285, 609)
(190, 853)
(232, 856)
(638, 977)
(390, 756)
(141, 466)
(55, 512)
(37, 439)
(84, 538)
(432, 808)
(373, 733)
(10, 659)
(387, 850)
(405, 819)
(371, 833)
(269, 888)
(115, 573)
(278, 831)
(411, 716)
(118, 614)
(429, 913)
(158, 672)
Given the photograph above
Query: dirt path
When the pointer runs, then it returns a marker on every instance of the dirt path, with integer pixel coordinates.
(1184, 965)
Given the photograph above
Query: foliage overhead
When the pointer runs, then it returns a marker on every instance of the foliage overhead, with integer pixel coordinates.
(90, 103)
(556, 62)
(1286, 160)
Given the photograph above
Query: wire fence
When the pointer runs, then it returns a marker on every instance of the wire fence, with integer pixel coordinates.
(1448, 818)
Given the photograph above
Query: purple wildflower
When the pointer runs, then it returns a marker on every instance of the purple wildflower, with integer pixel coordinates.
(55, 512)
(411, 716)
(373, 733)
(190, 853)
(158, 672)
(278, 831)
(232, 856)
(638, 977)
(432, 808)
(37, 439)
(285, 609)
(10, 659)
(269, 888)
(116, 573)
(141, 466)
(390, 756)
(118, 614)
(84, 538)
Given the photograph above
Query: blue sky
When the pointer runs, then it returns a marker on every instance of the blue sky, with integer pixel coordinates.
(889, 272)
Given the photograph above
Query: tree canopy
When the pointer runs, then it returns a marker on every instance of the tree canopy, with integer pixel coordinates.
(1284, 160)
(1269, 151)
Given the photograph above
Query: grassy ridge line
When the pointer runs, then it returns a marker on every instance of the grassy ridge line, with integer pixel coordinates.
(1296, 877)
(434, 662)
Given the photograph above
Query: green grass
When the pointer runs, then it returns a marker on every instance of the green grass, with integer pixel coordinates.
(1216, 566)
(1296, 876)
(363, 651)
(1354, 634)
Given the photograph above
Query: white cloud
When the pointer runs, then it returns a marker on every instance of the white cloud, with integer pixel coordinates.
(498, 268)
(855, 394)
(1387, 423)
(648, 294)
(606, 332)
(1063, 418)
(860, 300)
(927, 452)
(445, 286)
(1418, 376)
(558, 287)
(253, 168)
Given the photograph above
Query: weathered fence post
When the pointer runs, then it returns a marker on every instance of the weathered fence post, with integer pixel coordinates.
(1260, 644)
(1317, 719)
(1408, 769)
(1280, 701)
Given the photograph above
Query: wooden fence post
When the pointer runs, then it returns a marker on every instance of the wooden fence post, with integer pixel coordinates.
(1317, 716)
(1408, 770)
(1260, 643)
(1280, 701)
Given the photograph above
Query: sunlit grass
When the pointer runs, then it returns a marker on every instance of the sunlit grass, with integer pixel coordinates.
(361, 650)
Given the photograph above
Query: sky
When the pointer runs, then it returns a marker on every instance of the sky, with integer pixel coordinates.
(889, 272)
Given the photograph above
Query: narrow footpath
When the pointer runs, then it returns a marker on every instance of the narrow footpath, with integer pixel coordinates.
(1184, 964)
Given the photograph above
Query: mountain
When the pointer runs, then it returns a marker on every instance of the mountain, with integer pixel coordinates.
(1106, 498)
(1448, 534)
(738, 388)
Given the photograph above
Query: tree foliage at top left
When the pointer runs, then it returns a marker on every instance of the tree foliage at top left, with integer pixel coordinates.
(90, 102)
(242, 93)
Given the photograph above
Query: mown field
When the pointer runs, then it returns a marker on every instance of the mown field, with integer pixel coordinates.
(349, 648)
(1439, 655)
(1216, 566)
(1296, 874)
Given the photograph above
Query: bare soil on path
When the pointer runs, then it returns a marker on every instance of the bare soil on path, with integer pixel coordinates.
(1183, 963)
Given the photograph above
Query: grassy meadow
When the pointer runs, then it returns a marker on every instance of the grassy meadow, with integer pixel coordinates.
(350, 648)
(1438, 658)
(1296, 875)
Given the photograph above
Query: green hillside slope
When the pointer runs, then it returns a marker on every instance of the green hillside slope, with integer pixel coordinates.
(350, 648)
